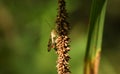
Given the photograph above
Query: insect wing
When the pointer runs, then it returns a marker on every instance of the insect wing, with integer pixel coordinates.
(49, 44)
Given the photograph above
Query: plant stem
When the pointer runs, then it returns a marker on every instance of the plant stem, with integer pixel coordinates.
(62, 41)
(93, 50)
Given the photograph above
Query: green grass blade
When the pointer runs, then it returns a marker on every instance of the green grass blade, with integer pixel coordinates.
(95, 36)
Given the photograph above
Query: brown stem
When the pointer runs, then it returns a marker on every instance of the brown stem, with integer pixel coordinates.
(92, 66)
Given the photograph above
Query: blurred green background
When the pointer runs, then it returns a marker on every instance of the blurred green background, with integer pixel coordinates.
(25, 27)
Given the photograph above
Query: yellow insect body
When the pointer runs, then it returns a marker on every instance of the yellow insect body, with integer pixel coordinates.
(53, 36)
(51, 43)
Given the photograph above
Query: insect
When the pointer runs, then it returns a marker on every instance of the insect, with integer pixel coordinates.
(51, 42)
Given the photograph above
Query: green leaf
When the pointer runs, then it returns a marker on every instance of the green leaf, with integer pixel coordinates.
(96, 26)
(95, 33)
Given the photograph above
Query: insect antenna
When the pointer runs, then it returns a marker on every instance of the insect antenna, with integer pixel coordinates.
(48, 23)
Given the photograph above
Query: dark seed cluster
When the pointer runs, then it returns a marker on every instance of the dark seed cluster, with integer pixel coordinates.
(61, 21)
